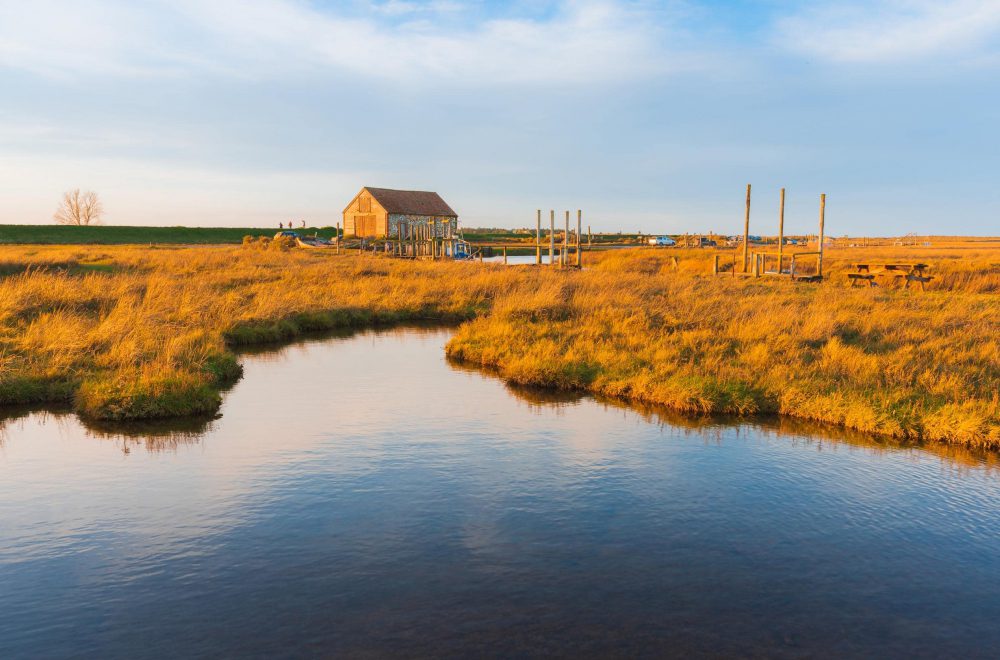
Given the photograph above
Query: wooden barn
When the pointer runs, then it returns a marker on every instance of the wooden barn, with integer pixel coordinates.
(379, 212)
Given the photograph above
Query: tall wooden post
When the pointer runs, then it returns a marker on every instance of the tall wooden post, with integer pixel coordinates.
(822, 221)
(588, 235)
(564, 254)
(538, 238)
(746, 232)
(338, 238)
(552, 237)
(781, 229)
(579, 232)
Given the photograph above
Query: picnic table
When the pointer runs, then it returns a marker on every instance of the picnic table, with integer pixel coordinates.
(868, 272)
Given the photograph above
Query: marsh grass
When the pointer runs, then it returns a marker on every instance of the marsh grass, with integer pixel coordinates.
(150, 332)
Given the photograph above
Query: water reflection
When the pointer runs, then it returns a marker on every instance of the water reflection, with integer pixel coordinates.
(361, 496)
(152, 435)
(169, 434)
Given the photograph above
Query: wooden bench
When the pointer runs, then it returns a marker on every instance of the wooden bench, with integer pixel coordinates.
(905, 272)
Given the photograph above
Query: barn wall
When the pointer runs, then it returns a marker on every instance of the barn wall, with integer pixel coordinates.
(440, 223)
(365, 215)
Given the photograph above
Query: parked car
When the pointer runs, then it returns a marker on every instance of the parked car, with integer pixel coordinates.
(662, 241)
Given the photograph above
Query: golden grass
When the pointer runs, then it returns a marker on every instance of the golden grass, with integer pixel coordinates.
(127, 333)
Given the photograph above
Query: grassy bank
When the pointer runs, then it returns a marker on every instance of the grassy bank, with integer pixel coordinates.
(114, 235)
(129, 333)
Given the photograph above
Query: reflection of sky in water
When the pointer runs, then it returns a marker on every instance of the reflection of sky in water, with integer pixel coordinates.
(363, 494)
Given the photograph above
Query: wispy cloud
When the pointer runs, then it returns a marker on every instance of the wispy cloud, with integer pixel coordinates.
(587, 40)
(891, 30)
(408, 7)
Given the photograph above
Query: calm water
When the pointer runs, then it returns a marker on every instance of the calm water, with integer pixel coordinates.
(360, 497)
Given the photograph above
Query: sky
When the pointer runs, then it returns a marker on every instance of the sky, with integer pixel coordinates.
(649, 116)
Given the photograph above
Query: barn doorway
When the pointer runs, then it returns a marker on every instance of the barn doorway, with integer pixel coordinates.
(364, 225)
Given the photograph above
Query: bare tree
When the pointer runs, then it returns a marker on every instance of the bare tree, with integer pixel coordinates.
(79, 208)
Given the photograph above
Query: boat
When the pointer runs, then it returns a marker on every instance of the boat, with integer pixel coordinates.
(465, 250)
(314, 242)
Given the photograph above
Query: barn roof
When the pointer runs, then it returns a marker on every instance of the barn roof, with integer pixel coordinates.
(411, 202)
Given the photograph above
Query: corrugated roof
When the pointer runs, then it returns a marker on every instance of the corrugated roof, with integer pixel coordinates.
(411, 202)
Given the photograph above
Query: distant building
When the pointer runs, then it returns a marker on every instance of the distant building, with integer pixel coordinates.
(379, 213)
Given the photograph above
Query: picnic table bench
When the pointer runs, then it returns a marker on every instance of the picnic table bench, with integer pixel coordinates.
(906, 272)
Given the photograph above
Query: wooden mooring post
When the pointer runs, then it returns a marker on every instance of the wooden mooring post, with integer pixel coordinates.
(746, 232)
(781, 228)
(538, 238)
(579, 228)
(552, 237)
(822, 220)
(564, 253)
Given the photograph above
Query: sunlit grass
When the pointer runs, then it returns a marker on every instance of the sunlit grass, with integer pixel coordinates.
(148, 333)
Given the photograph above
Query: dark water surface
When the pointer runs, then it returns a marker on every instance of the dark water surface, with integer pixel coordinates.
(361, 497)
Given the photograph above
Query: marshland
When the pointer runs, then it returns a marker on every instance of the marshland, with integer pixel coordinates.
(250, 450)
(128, 332)
(567, 328)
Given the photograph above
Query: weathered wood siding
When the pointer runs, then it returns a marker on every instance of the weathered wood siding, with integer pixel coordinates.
(364, 216)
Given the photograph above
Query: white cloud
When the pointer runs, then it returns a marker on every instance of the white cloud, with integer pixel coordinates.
(891, 30)
(585, 40)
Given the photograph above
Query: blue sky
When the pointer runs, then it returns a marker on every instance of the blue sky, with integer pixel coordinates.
(647, 115)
